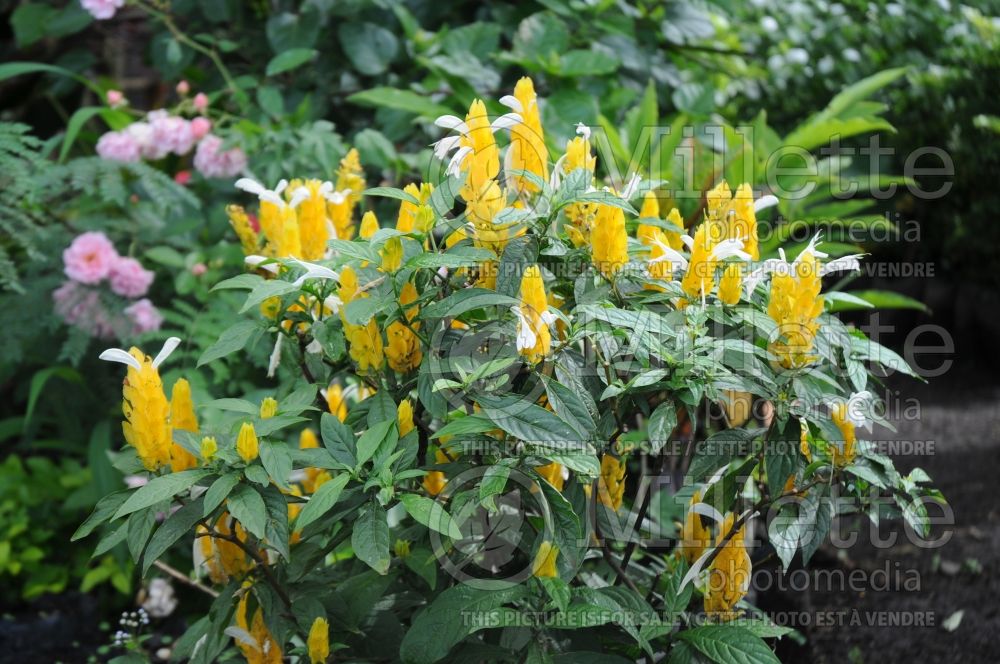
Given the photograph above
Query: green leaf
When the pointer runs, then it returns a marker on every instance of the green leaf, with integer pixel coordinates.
(440, 627)
(103, 511)
(265, 290)
(781, 457)
(77, 120)
(161, 488)
(231, 340)
(729, 644)
(369, 47)
(179, 524)
(392, 192)
(219, 491)
(370, 539)
(277, 461)
(338, 440)
(431, 514)
(587, 63)
(322, 501)
(361, 310)
(289, 60)
(247, 507)
(529, 422)
(11, 69)
(400, 100)
(878, 299)
(371, 439)
(495, 480)
(662, 423)
(239, 282)
(466, 300)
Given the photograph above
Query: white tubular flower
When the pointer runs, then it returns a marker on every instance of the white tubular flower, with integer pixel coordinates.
(525, 335)
(687, 241)
(314, 271)
(548, 317)
(583, 130)
(446, 145)
(769, 266)
(506, 121)
(261, 192)
(764, 202)
(452, 123)
(511, 102)
(859, 410)
(631, 187)
(455, 165)
(811, 248)
(333, 303)
(556, 178)
(124, 357)
(843, 264)
(275, 359)
(299, 196)
(262, 262)
(727, 249)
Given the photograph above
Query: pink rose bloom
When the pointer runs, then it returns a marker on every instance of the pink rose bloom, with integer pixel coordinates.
(129, 278)
(119, 146)
(199, 269)
(183, 88)
(212, 162)
(200, 102)
(102, 9)
(172, 133)
(81, 307)
(144, 316)
(200, 127)
(89, 258)
(142, 133)
(115, 98)
(182, 177)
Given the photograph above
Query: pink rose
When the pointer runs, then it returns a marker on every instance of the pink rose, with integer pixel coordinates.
(102, 9)
(89, 258)
(213, 162)
(172, 134)
(115, 98)
(182, 177)
(199, 269)
(81, 307)
(200, 127)
(183, 88)
(200, 102)
(129, 278)
(119, 146)
(144, 316)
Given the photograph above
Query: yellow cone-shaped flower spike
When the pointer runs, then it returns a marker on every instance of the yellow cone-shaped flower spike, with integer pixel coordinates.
(534, 340)
(350, 178)
(795, 305)
(527, 140)
(578, 155)
(544, 565)
(313, 230)
(482, 164)
(699, 280)
(264, 650)
(843, 456)
(240, 222)
(729, 575)
(369, 225)
(609, 240)
(553, 474)
(182, 417)
(336, 402)
(147, 413)
(318, 642)
(403, 349)
(731, 284)
(208, 448)
(392, 255)
(289, 242)
(404, 413)
(650, 209)
(695, 537)
(611, 484)
(246, 443)
(268, 408)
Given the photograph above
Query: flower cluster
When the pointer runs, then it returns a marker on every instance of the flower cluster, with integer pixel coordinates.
(90, 261)
(163, 133)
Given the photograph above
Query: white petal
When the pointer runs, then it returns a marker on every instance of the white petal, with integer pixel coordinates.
(506, 121)
(729, 248)
(452, 122)
(333, 303)
(299, 196)
(314, 347)
(688, 241)
(764, 202)
(275, 360)
(250, 186)
(168, 347)
(119, 355)
(670, 254)
(314, 271)
(511, 102)
(256, 261)
(583, 130)
(282, 183)
(445, 145)
(842, 264)
(811, 249)
(631, 187)
(455, 165)
(272, 197)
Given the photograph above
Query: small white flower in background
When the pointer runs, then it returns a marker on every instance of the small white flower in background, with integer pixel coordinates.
(769, 24)
(583, 130)
(852, 55)
(160, 599)
(826, 64)
(102, 10)
(798, 56)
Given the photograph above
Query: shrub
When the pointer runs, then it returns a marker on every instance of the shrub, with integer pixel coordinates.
(501, 372)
